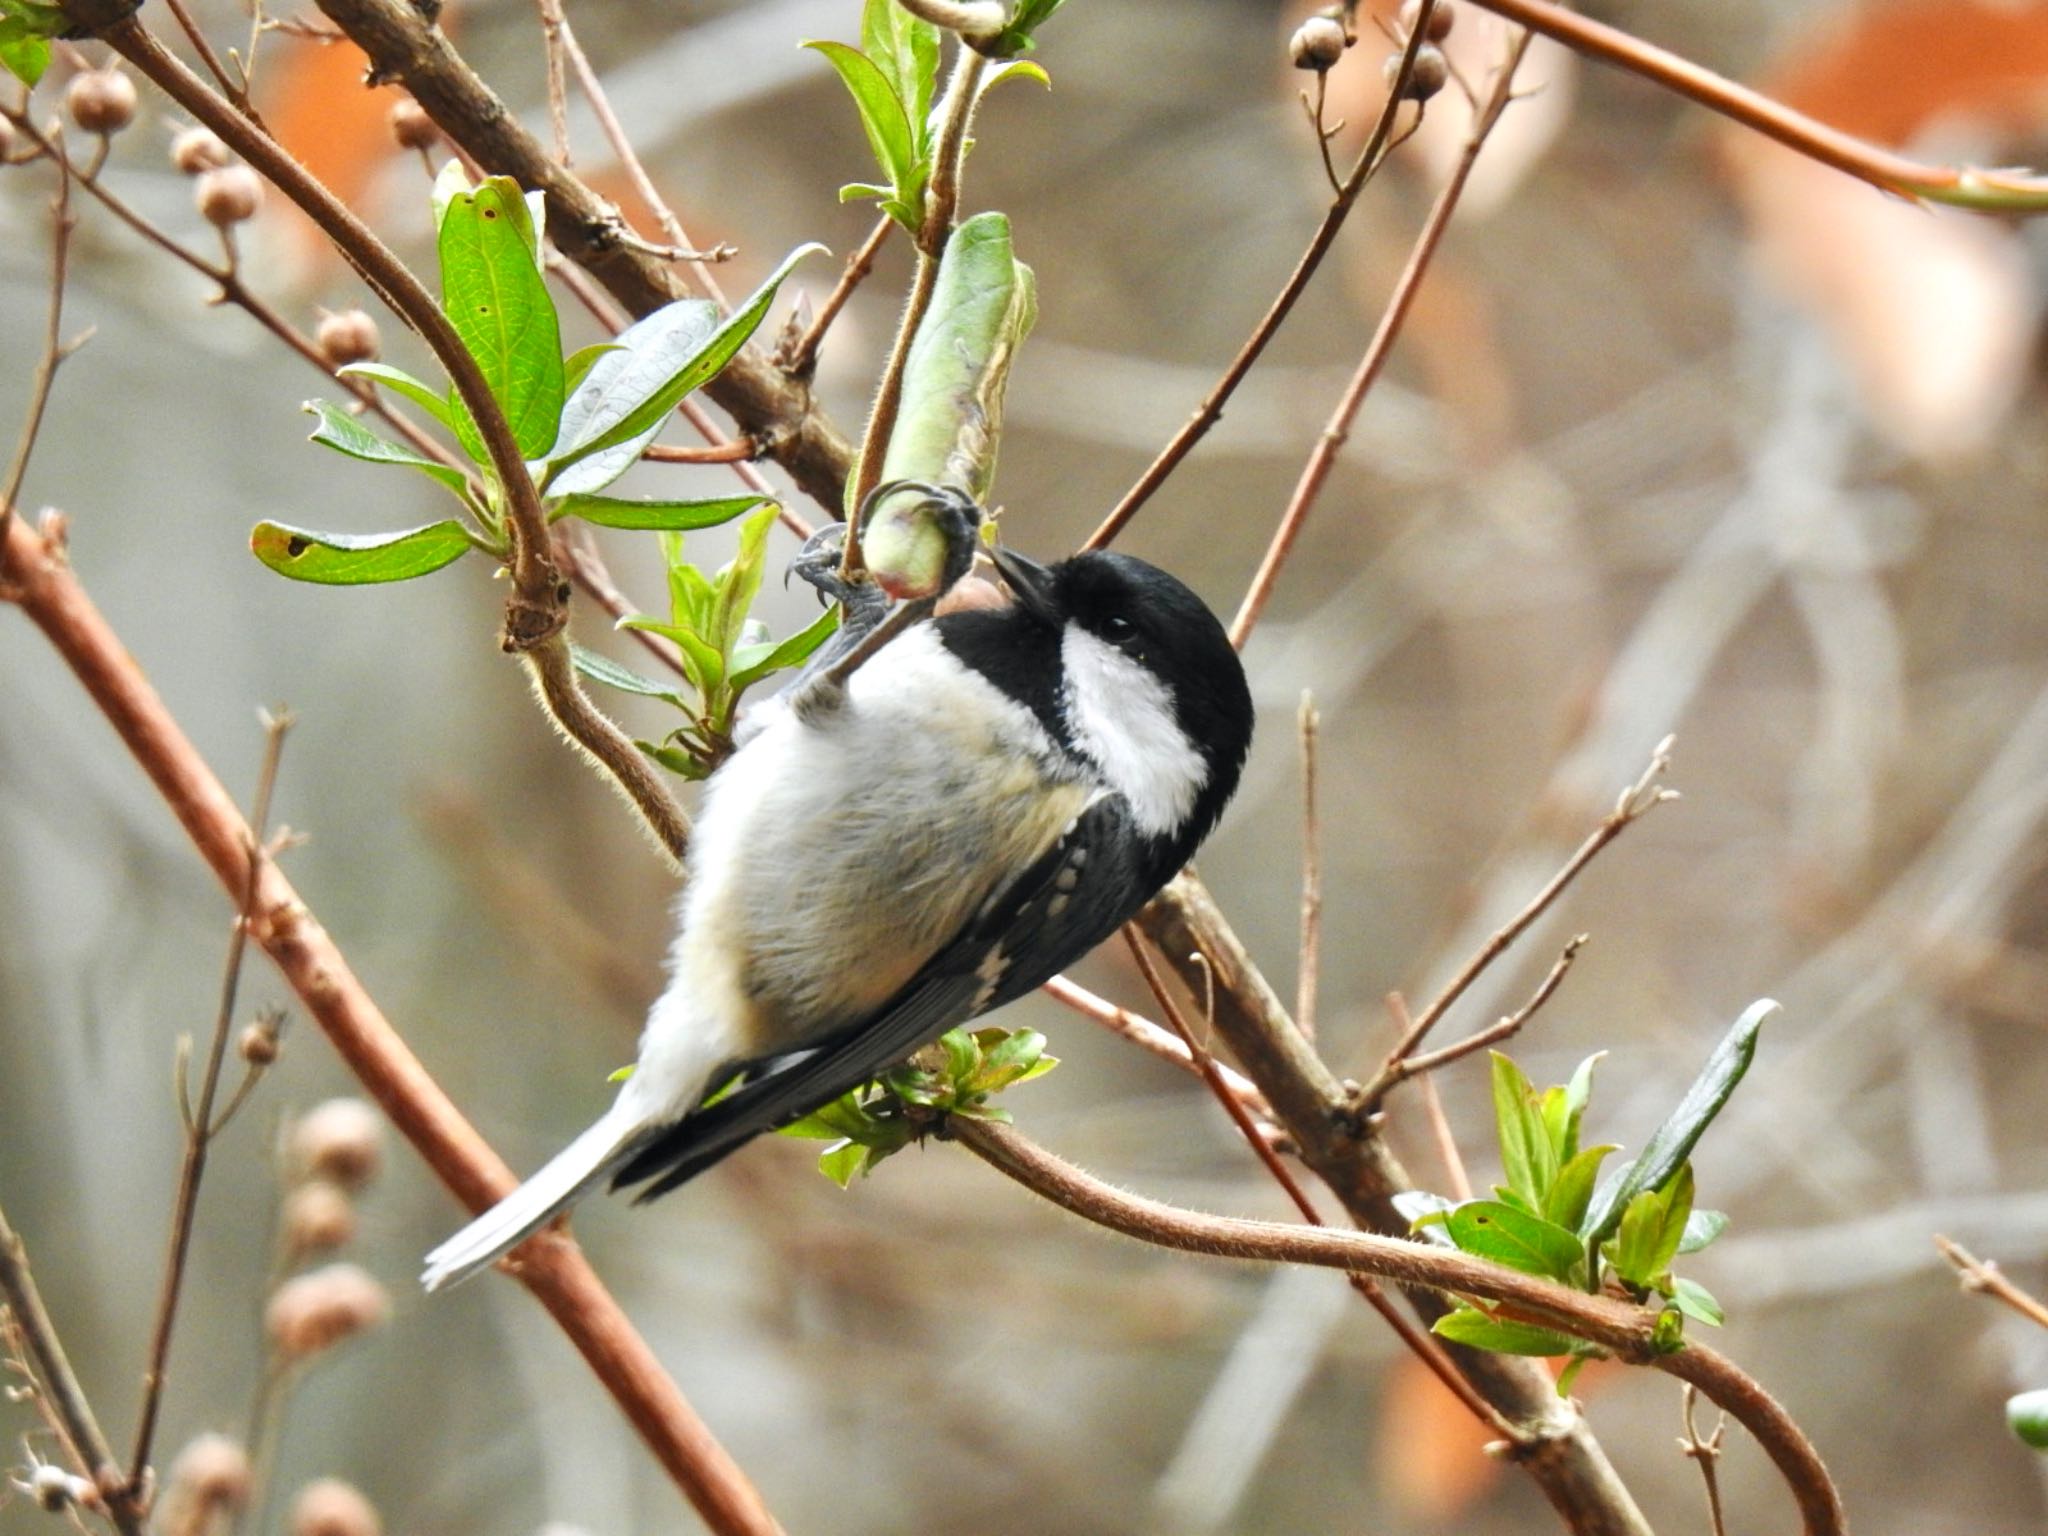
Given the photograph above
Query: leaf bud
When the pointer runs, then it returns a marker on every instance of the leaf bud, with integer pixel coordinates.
(209, 1478)
(258, 1043)
(2027, 1413)
(411, 126)
(330, 1507)
(347, 336)
(1431, 74)
(228, 194)
(101, 101)
(198, 149)
(1441, 19)
(318, 1218)
(1318, 43)
(341, 1141)
(311, 1313)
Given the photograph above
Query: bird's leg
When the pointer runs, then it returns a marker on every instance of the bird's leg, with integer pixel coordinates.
(863, 614)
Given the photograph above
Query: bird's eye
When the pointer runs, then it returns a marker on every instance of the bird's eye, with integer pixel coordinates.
(1117, 629)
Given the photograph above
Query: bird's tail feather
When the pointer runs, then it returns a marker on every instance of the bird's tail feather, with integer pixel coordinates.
(570, 1175)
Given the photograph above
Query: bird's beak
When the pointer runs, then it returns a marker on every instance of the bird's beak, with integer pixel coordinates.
(1031, 582)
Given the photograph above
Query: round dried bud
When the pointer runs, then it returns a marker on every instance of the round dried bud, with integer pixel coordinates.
(198, 149)
(1318, 43)
(1441, 19)
(349, 336)
(313, 1312)
(1431, 74)
(330, 1507)
(341, 1141)
(101, 100)
(318, 1218)
(228, 194)
(258, 1043)
(411, 126)
(210, 1476)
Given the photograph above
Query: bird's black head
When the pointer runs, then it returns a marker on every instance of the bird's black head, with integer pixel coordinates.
(1143, 682)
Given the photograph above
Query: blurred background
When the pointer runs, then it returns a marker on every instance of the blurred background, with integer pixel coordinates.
(1686, 435)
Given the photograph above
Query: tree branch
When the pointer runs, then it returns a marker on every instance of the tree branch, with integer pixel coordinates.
(549, 1265)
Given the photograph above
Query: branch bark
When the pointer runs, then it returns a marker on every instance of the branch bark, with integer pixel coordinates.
(37, 578)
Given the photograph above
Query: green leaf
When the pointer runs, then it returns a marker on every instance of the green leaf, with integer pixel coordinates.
(1527, 1157)
(638, 396)
(2027, 1414)
(882, 114)
(950, 421)
(841, 1163)
(1011, 1060)
(1015, 69)
(842, 1117)
(1674, 1140)
(702, 663)
(358, 559)
(963, 1056)
(739, 582)
(399, 382)
(450, 182)
(1426, 1214)
(643, 358)
(346, 434)
(1667, 1334)
(751, 663)
(1573, 1192)
(615, 512)
(690, 595)
(499, 304)
(1499, 1232)
(1471, 1327)
(1570, 1373)
(905, 49)
(1701, 1228)
(1697, 1302)
(22, 54)
(1651, 1228)
(580, 362)
(602, 669)
(675, 761)
(1025, 20)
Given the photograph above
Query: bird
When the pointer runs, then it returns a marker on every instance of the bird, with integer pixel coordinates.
(896, 849)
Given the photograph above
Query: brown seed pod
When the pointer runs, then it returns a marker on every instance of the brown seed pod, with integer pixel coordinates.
(347, 336)
(311, 1313)
(330, 1507)
(341, 1141)
(198, 149)
(411, 126)
(209, 1478)
(1318, 43)
(318, 1218)
(101, 100)
(1441, 20)
(228, 194)
(258, 1043)
(1431, 74)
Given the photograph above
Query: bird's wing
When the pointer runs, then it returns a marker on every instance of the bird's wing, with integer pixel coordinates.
(1072, 899)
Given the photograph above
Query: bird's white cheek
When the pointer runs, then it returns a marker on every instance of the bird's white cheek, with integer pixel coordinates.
(1122, 716)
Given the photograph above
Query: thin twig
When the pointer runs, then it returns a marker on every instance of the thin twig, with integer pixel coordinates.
(200, 1125)
(1308, 969)
(1986, 1279)
(1457, 1180)
(1378, 145)
(552, 25)
(1625, 1331)
(681, 247)
(56, 1382)
(230, 87)
(1635, 802)
(55, 350)
(1959, 186)
(1162, 1043)
(1398, 1069)
(736, 450)
(1338, 429)
(1420, 1344)
(799, 359)
(941, 201)
(1707, 1454)
(549, 1265)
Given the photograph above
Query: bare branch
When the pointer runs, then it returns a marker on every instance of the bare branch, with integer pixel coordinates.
(1707, 1453)
(1986, 1279)
(1398, 1069)
(802, 357)
(55, 350)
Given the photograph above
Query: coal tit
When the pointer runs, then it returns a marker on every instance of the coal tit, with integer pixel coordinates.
(989, 796)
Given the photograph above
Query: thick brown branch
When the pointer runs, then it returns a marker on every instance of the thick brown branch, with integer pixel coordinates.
(1623, 1330)
(769, 406)
(549, 1265)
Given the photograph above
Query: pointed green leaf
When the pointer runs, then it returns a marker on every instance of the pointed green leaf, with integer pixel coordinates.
(1527, 1157)
(616, 512)
(602, 669)
(23, 54)
(1499, 1232)
(1573, 1191)
(399, 382)
(346, 434)
(1010, 1060)
(690, 594)
(739, 582)
(1426, 1214)
(841, 1163)
(1475, 1329)
(751, 663)
(882, 115)
(1674, 1140)
(1701, 1228)
(1697, 1302)
(1578, 1094)
(643, 358)
(1018, 36)
(905, 48)
(580, 362)
(963, 1055)
(449, 183)
(1015, 69)
(499, 304)
(358, 559)
(674, 760)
